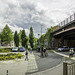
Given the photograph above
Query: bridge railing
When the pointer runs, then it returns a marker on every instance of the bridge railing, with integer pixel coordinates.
(68, 20)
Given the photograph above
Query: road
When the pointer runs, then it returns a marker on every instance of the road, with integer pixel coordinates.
(66, 53)
(45, 63)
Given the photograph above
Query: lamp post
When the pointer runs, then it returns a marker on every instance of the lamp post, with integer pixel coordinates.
(38, 39)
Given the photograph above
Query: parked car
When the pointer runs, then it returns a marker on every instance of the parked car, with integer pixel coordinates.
(22, 49)
(60, 49)
(64, 48)
(15, 49)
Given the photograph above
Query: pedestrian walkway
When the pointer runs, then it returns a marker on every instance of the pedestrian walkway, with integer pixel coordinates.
(19, 66)
(32, 65)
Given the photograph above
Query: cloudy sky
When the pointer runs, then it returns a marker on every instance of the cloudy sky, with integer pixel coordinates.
(22, 14)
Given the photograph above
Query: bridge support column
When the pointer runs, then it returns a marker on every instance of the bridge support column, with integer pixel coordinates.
(61, 41)
(57, 42)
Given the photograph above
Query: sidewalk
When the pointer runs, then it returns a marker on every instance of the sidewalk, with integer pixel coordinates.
(32, 65)
(19, 66)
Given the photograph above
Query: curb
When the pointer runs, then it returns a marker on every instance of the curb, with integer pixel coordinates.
(73, 58)
(47, 70)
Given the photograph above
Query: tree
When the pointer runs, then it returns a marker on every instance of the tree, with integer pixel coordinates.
(42, 39)
(35, 39)
(7, 35)
(24, 39)
(49, 37)
(0, 35)
(0, 38)
(31, 37)
(48, 34)
(16, 39)
(20, 35)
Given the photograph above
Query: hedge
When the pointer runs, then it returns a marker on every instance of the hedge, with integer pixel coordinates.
(10, 56)
(5, 49)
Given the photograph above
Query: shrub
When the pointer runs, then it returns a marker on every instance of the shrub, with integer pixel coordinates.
(5, 49)
(6, 57)
(10, 56)
(34, 48)
(1, 58)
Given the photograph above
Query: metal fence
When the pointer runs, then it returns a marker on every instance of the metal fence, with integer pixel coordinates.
(68, 68)
(68, 20)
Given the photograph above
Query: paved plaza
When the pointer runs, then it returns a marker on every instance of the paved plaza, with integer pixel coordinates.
(32, 66)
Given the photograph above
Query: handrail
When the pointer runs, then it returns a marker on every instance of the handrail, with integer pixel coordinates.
(66, 21)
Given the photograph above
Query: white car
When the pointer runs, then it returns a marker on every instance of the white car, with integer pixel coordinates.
(60, 49)
(64, 48)
(15, 49)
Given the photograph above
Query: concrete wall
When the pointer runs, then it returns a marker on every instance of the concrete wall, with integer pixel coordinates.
(62, 42)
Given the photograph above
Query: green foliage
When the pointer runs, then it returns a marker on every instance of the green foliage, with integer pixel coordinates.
(35, 39)
(42, 39)
(23, 34)
(20, 35)
(25, 42)
(5, 49)
(0, 35)
(6, 35)
(35, 48)
(54, 28)
(24, 39)
(31, 37)
(49, 37)
(48, 34)
(10, 56)
(16, 39)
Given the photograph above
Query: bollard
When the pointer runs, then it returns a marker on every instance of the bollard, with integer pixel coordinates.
(64, 68)
(7, 72)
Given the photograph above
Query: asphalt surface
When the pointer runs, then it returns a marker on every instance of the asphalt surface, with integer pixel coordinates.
(45, 63)
(64, 52)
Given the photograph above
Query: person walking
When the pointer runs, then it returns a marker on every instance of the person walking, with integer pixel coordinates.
(71, 52)
(30, 50)
(26, 55)
(42, 51)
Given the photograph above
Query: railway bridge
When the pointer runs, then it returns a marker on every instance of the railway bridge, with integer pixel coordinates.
(65, 34)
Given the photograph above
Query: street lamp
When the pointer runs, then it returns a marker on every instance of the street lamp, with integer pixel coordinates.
(38, 39)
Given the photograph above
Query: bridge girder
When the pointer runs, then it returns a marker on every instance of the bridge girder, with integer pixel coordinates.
(68, 34)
